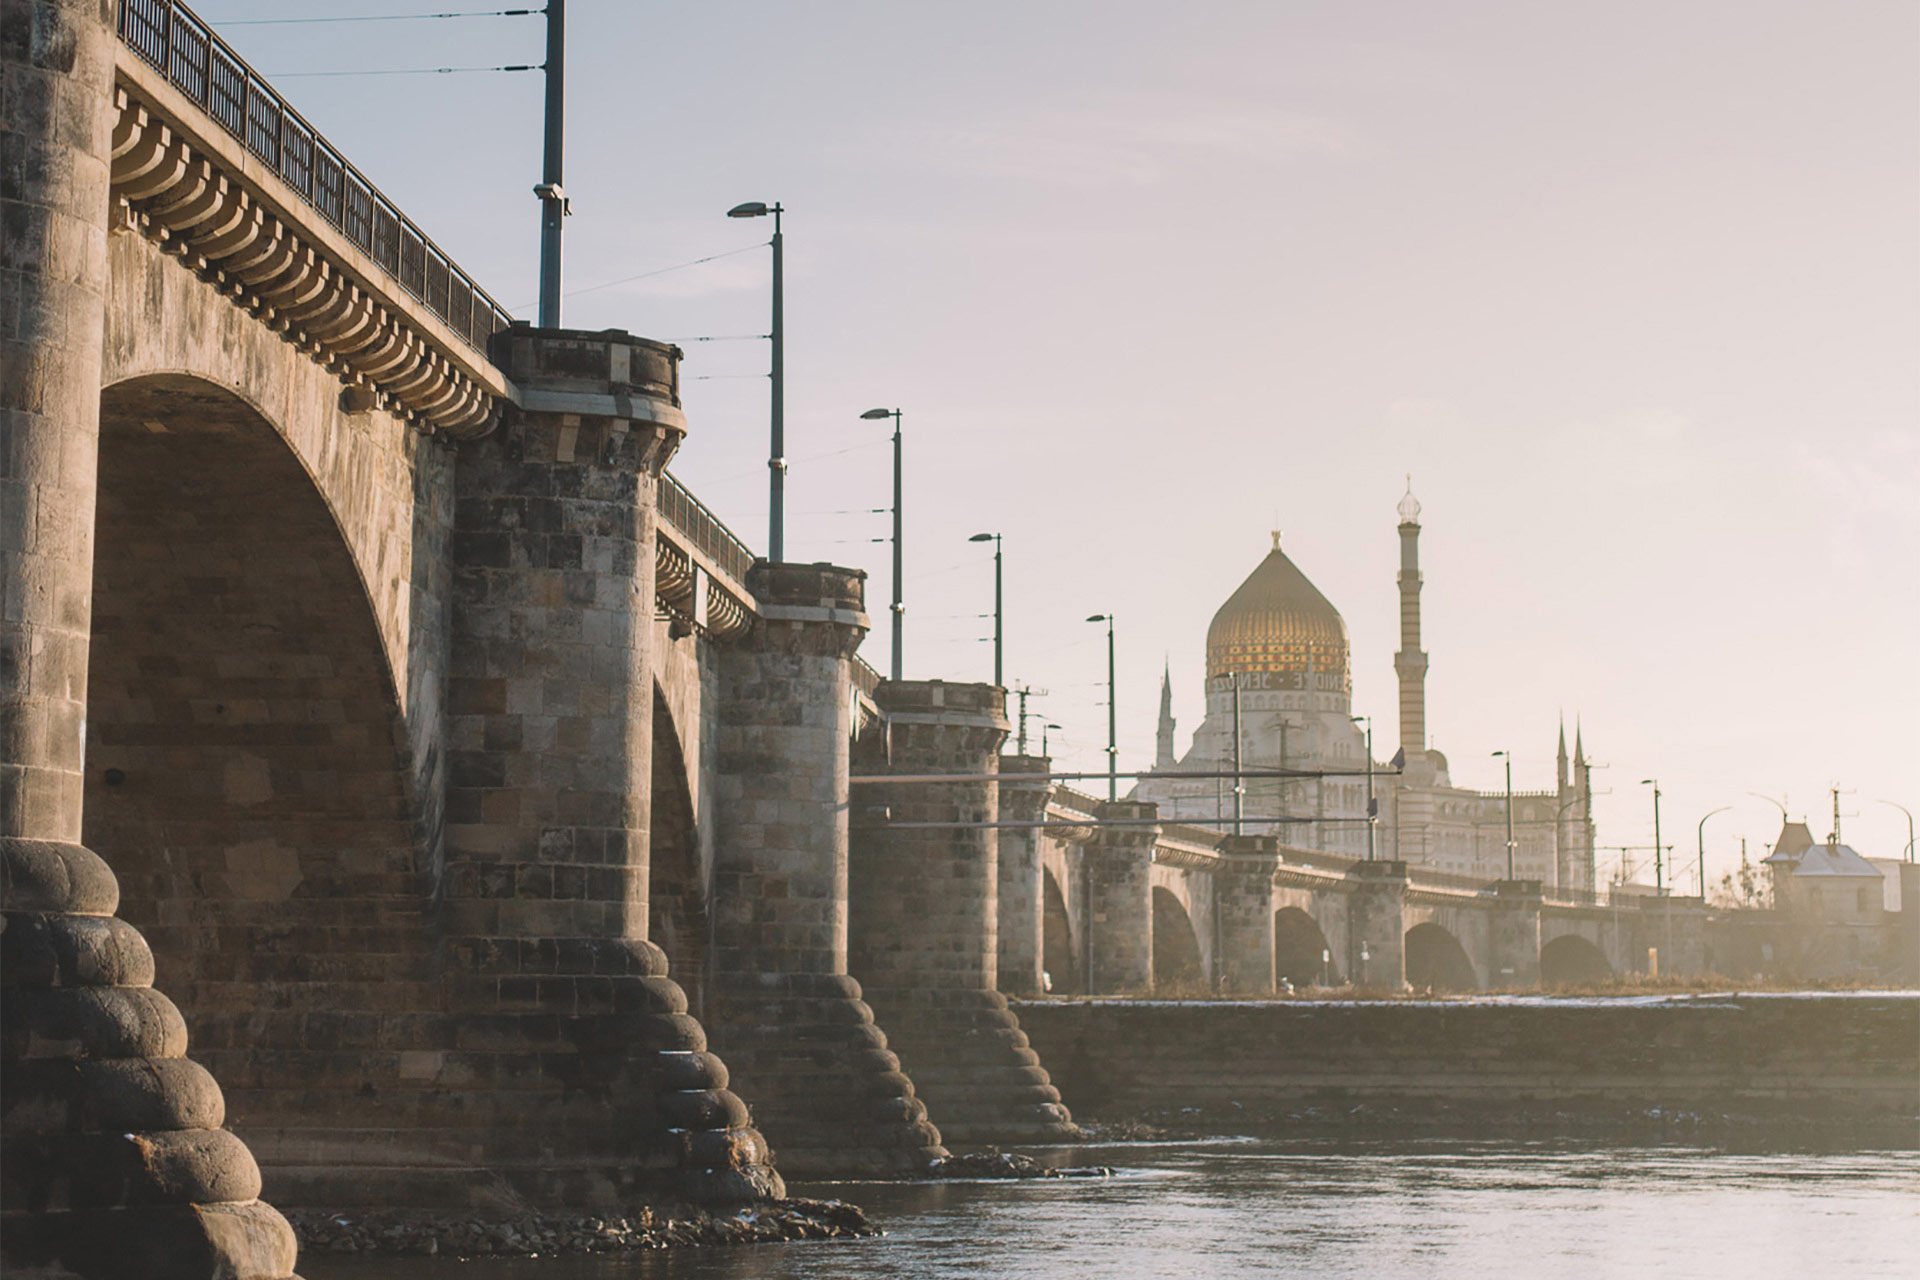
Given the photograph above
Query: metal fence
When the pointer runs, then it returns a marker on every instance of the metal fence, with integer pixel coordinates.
(703, 529)
(199, 64)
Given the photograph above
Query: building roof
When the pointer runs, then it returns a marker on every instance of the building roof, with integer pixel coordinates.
(1798, 852)
(1277, 621)
(1794, 840)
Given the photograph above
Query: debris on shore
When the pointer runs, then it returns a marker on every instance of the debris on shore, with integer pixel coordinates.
(473, 1234)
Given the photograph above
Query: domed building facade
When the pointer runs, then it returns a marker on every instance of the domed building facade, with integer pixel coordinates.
(1278, 666)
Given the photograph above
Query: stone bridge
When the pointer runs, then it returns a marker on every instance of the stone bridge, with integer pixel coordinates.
(481, 805)
(1102, 898)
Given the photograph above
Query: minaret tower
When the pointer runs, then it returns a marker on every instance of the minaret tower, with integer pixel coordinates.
(1411, 662)
(1163, 739)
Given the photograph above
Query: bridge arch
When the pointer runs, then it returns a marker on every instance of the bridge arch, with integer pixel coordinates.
(247, 774)
(1060, 950)
(1435, 960)
(1570, 960)
(1301, 953)
(1176, 948)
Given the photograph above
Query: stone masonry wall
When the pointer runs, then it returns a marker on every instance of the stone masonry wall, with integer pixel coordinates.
(925, 915)
(1116, 1058)
(826, 1088)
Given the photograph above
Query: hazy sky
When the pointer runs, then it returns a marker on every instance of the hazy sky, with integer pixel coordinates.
(1632, 290)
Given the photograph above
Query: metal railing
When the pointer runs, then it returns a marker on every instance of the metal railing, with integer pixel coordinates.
(865, 678)
(703, 529)
(201, 65)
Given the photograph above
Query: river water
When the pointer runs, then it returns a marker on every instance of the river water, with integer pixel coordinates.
(1486, 1211)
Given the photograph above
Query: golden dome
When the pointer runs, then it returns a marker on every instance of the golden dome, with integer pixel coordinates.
(1279, 622)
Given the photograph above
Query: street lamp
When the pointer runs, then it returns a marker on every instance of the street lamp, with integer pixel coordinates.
(1373, 809)
(899, 608)
(1043, 736)
(1113, 721)
(998, 615)
(1902, 808)
(1508, 757)
(777, 454)
(1659, 881)
(1700, 849)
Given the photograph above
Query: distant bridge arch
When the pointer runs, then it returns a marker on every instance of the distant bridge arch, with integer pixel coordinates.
(1571, 959)
(1435, 959)
(1177, 961)
(1302, 953)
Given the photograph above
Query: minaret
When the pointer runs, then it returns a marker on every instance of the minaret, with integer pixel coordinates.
(1410, 662)
(1163, 740)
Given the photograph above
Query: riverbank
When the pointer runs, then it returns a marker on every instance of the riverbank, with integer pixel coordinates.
(1719, 1067)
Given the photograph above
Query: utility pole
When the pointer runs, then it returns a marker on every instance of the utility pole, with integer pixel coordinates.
(1239, 783)
(553, 196)
(1021, 695)
(1113, 719)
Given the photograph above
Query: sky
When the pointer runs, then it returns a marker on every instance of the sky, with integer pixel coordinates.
(1630, 290)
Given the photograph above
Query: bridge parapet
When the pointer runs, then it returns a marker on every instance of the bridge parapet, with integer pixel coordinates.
(213, 165)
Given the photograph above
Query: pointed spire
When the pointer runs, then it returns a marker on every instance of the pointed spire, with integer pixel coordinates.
(1560, 755)
(1163, 739)
(1579, 750)
(1562, 752)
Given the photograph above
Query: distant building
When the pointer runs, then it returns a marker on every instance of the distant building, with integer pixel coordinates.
(1833, 907)
(1281, 647)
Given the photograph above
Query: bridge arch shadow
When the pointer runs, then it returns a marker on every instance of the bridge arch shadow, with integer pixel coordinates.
(1436, 961)
(248, 773)
(1060, 954)
(1176, 949)
(1301, 953)
(677, 884)
(1571, 960)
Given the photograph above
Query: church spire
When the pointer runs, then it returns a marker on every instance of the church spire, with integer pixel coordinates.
(1560, 756)
(1163, 740)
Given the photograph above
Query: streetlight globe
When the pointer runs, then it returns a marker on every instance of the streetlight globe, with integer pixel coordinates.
(751, 209)
(1096, 617)
(874, 415)
(982, 537)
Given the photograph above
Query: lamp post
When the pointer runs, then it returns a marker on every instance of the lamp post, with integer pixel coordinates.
(998, 614)
(1113, 720)
(1902, 808)
(1043, 736)
(1372, 807)
(1508, 757)
(777, 452)
(899, 607)
(1659, 881)
(553, 196)
(1700, 848)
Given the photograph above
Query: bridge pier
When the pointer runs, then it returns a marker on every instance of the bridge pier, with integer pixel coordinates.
(1243, 897)
(925, 915)
(112, 1156)
(1119, 924)
(1377, 930)
(1022, 927)
(1514, 960)
(582, 1077)
(825, 1087)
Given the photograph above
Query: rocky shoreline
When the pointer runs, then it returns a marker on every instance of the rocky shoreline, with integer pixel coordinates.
(472, 1235)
